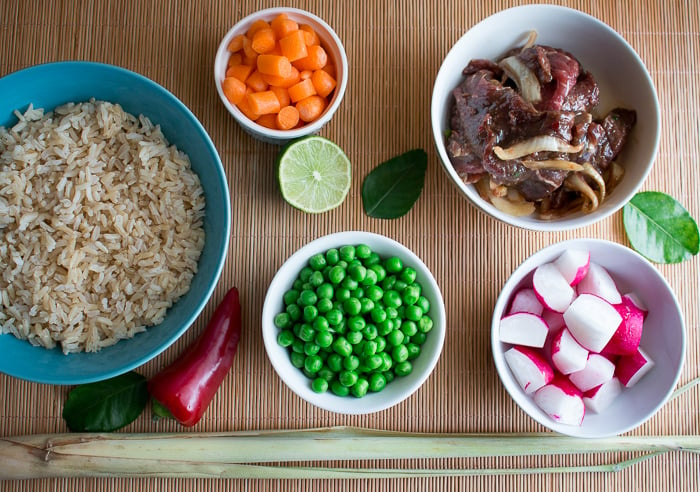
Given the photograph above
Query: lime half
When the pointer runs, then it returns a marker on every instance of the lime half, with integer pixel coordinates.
(314, 174)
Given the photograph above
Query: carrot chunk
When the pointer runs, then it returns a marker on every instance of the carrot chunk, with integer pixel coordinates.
(245, 108)
(236, 43)
(241, 72)
(323, 82)
(293, 46)
(234, 59)
(301, 90)
(283, 25)
(311, 108)
(268, 120)
(315, 60)
(234, 89)
(312, 38)
(264, 102)
(287, 118)
(282, 95)
(274, 65)
(256, 26)
(284, 82)
(256, 82)
(248, 51)
(264, 40)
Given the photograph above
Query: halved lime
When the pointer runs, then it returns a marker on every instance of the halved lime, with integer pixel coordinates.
(314, 174)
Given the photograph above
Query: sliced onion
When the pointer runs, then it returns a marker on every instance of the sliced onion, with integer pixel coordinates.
(589, 170)
(524, 78)
(577, 183)
(512, 203)
(558, 164)
(541, 143)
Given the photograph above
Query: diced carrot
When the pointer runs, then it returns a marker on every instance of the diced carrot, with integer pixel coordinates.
(323, 82)
(287, 82)
(234, 59)
(264, 40)
(301, 90)
(248, 50)
(293, 46)
(264, 102)
(234, 89)
(274, 65)
(315, 60)
(236, 43)
(287, 118)
(245, 108)
(256, 82)
(282, 95)
(241, 72)
(268, 121)
(256, 26)
(311, 108)
(312, 38)
(283, 25)
(305, 74)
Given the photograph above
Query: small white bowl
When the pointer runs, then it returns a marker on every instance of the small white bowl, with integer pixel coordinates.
(620, 73)
(401, 387)
(336, 54)
(663, 338)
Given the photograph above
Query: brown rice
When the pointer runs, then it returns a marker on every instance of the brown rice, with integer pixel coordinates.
(101, 226)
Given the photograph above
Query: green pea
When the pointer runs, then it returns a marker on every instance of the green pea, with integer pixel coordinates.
(372, 259)
(297, 285)
(399, 353)
(336, 275)
(363, 251)
(320, 323)
(318, 262)
(358, 294)
(414, 312)
(316, 279)
(370, 332)
(335, 362)
(307, 298)
(332, 256)
(310, 348)
(285, 338)
(347, 253)
(357, 272)
(282, 321)
(347, 378)
(342, 327)
(410, 294)
(389, 375)
(374, 292)
(319, 385)
(306, 332)
(351, 362)
(392, 313)
(369, 348)
(385, 327)
(366, 305)
(373, 362)
(388, 282)
(359, 389)
(409, 328)
(387, 362)
(309, 314)
(294, 312)
(425, 324)
(313, 363)
(377, 382)
(413, 350)
(338, 389)
(324, 291)
(379, 270)
(324, 339)
(352, 306)
(403, 368)
(326, 374)
(354, 337)
(370, 278)
(342, 347)
(393, 264)
(305, 273)
(419, 338)
(381, 343)
(378, 314)
(297, 359)
(395, 338)
(350, 283)
(324, 305)
(290, 297)
(298, 346)
(334, 317)
(423, 303)
(356, 323)
(400, 285)
(408, 275)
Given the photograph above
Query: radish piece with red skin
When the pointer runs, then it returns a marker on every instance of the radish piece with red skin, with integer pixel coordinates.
(552, 289)
(554, 320)
(592, 321)
(525, 301)
(561, 400)
(523, 329)
(638, 303)
(530, 368)
(626, 338)
(599, 282)
(631, 368)
(601, 397)
(598, 370)
(573, 265)
(567, 354)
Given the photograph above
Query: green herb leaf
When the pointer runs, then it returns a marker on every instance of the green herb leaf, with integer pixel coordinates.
(106, 405)
(392, 188)
(660, 228)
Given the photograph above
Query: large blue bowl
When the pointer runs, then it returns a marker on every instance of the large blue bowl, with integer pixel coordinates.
(50, 85)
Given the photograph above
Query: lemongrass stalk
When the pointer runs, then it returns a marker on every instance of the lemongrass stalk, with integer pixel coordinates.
(220, 454)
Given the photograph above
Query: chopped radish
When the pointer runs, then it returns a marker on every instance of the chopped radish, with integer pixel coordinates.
(638, 303)
(601, 397)
(626, 338)
(573, 265)
(631, 368)
(599, 282)
(592, 321)
(567, 354)
(598, 370)
(554, 320)
(523, 329)
(561, 401)
(529, 367)
(552, 289)
(525, 301)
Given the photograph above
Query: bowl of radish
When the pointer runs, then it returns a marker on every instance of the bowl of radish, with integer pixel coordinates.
(588, 338)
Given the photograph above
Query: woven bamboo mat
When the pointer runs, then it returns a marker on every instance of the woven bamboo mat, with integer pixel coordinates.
(394, 49)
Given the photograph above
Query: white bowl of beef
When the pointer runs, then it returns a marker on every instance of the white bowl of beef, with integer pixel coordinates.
(545, 118)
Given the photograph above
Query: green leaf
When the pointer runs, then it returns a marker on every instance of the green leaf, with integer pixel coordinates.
(660, 228)
(106, 405)
(393, 187)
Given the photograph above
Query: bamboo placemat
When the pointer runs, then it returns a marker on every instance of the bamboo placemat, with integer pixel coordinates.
(394, 49)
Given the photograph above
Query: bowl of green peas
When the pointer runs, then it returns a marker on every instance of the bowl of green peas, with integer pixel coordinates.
(353, 322)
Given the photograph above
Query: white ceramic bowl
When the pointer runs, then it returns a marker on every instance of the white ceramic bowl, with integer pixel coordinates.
(336, 54)
(663, 338)
(621, 75)
(401, 387)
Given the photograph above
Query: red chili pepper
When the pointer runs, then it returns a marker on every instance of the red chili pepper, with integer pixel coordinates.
(186, 387)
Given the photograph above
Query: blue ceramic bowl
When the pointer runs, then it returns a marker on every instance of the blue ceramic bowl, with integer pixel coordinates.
(50, 85)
